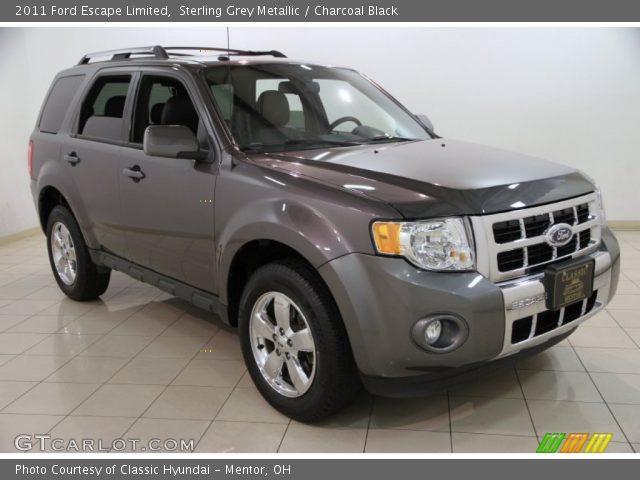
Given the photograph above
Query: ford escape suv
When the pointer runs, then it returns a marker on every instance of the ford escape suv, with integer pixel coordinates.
(348, 242)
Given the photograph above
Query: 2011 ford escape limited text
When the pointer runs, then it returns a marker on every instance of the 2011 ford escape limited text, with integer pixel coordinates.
(301, 203)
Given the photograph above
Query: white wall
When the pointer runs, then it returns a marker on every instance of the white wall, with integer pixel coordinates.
(567, 94)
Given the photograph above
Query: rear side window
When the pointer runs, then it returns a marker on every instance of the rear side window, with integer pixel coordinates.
(102, 111)
(58, 102)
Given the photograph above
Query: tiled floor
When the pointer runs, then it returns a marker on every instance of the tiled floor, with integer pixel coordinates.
(140, 364)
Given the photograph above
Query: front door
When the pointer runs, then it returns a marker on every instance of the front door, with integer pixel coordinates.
(167, 203)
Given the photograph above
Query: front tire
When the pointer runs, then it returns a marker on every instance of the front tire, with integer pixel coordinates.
(77, 276)
(294, 342)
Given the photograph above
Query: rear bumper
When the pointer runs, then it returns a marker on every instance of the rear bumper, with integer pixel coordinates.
(381, 299)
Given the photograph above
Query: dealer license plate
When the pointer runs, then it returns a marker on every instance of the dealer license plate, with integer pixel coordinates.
(569, 283)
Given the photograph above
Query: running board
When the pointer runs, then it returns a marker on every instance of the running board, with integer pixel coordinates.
(200, 298)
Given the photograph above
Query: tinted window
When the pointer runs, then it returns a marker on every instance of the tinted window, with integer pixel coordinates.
(163, 101)
(58, 102)
(102, 111)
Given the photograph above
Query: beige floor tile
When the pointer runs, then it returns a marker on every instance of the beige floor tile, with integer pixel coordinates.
(63, 344)
(25, 307)
(16, 292)
(8, 321)
(407, 441)
(628, 417)
(173, 347)
(498, 385)
(626, 318)
(31, 368)
(41, 324)
(499, 416)
(601, 338)
(118, 346)
(242, 437)
(5, 358)
(636, 447)
(427, 413)
(224, 345)
(311, 439)
(610, 360)
(37, 280)
(68, 307)
(9, 391)
(88, 325)
(150, 371)
(84, 369)
(247, 405)
(634, 333)
(558, 416)
(601, 319)
(549, 385)
(618, 387)
(245, 382)
(50, 292)
(194, 403)
(556, 358)
(627, 287)
(143, 324)
(211, 373)
(14, 343)
(478, 443)
(619, 447)
(165, 434)
(101, 430)
(52, 398)
(119, 401)
(12, 425)
(193, 326)
(625, 302)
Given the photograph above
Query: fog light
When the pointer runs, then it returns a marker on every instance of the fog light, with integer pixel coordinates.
(440, 333)
(433, 331)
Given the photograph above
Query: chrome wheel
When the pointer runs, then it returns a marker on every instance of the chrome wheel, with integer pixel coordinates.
(63, 253)
(282, 344)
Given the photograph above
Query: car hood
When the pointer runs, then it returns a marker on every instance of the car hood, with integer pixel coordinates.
(436, 177)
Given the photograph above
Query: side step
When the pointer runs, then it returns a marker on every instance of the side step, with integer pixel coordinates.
(200, 298)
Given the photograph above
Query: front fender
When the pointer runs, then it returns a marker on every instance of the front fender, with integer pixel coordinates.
(300, 227)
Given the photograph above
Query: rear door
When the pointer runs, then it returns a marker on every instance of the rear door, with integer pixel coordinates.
(168, 212)
(92, 154)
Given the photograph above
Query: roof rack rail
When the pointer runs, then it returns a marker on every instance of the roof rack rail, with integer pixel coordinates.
(164, 53)
(228, 51)
(156, 51)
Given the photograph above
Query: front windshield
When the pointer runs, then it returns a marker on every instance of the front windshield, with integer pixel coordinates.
(278, 107)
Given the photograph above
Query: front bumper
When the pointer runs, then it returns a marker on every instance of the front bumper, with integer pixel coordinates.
(381, 298)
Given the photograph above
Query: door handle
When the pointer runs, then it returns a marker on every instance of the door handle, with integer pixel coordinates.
(134, 173)
(72, 158)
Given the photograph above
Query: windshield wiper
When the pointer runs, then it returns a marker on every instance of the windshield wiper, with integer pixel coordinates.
(382, 138)
(319, 141)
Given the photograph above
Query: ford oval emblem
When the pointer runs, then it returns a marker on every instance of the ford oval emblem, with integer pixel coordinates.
(558, 235)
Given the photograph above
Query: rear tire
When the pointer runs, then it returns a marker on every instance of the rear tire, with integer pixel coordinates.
(306, 369)
(77, 276)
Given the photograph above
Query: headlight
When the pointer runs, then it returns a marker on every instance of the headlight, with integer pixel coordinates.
(438, 244)
(600, 207)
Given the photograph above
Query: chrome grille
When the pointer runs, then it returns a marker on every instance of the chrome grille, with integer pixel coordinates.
(514, 243)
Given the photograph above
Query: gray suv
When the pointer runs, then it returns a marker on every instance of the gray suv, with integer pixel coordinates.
(348, 242)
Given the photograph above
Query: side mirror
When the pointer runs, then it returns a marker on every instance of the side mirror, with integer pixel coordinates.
(425, 121)
(171, 141)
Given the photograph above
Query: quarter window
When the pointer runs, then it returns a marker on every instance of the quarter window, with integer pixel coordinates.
(58, 103)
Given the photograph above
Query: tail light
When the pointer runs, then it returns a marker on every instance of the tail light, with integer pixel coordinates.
(30, 158)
